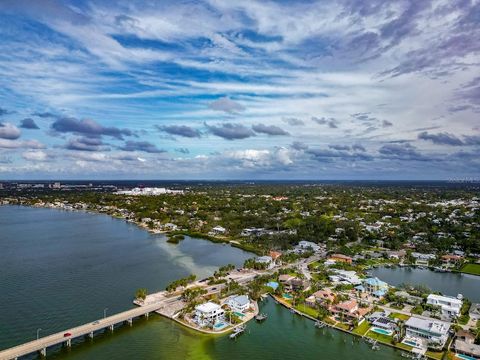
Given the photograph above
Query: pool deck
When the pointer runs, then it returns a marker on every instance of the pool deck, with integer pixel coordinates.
(248, 316)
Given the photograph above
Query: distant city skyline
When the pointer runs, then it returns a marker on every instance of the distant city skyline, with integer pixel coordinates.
(311, 90)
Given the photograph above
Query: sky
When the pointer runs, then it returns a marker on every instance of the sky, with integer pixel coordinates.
(217, 89)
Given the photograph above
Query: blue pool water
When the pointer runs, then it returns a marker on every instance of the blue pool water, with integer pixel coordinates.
(220, 326)
(464, 357)
(287, 296)
(239, 314)
(382, 331)
(411, 343)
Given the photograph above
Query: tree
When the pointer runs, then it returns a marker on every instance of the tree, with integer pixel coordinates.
(141, 294)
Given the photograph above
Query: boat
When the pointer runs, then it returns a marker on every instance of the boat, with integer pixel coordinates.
(237, 331)
(261, 317)
(319, 324)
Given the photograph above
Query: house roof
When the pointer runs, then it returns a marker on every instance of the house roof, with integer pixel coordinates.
(264, 259)
(324, 294)
(348, 305)
(375, 282)
(241, 300)
(468, 348)
(341, 256)
(449, 299)
(207, 307)
(435, 326)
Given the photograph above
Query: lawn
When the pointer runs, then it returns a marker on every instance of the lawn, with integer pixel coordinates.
(403, 317)
(307, 310)
(404, 347)
(473, 269)
(342, 326)
(435, 354)
(380, 337)
(362, 328)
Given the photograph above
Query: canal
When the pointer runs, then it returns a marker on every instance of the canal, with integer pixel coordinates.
(450, 284)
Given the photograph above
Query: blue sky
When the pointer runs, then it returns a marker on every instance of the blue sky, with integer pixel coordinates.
(240, 90)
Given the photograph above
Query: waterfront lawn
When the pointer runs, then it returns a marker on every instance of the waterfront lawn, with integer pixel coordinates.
(380, 337)
(473, 269)
(362, 328)
(329, 321)
(403, 317)
(435, 354)
(307, 310)
(342, 326)
(404, 347)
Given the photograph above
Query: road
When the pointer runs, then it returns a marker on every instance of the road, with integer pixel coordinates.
(86, 329)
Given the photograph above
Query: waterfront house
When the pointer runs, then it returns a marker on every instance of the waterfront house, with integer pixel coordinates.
(409, 299)
(469, 349)
(218, 230)
(294, 284)
(375, 287)
(345, 277)
(275, 254)
(208, 314)
(450, 306)
(349, 310)
(475, 311)
(324, 297)
(341, 258)
(433, 333)
(239, 303)
(423, 259)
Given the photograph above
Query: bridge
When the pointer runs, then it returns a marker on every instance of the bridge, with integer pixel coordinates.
(61, 338)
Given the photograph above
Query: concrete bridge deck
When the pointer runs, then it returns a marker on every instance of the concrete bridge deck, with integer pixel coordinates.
(43, 343)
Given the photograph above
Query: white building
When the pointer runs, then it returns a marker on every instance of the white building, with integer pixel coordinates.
(450, 306)
(239, 303)
(266, 260)
(306, 246)
(345, 277)
(208, 313)
(432, 333)
(218, 230)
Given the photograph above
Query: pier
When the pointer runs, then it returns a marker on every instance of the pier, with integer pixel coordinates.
(42, 344)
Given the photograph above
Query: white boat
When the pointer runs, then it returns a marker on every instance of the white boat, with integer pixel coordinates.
(237, 331)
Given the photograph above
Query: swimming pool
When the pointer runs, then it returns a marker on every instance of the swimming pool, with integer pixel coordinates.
(219, 326)
(239, 314)
(382, 331)
(288, 296)
(412, 343)
(464, 357)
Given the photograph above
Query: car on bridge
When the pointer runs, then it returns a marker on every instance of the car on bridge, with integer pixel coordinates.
(67, 334)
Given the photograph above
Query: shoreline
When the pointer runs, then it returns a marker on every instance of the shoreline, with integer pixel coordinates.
(281, 302)
(191, 234)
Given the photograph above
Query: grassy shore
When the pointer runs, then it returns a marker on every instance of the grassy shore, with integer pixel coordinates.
(472, 269)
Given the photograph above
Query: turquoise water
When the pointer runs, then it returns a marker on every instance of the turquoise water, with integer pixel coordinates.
(239, 314)
(382, 331)
(220, 325)
(465, 357)
(287, 296)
